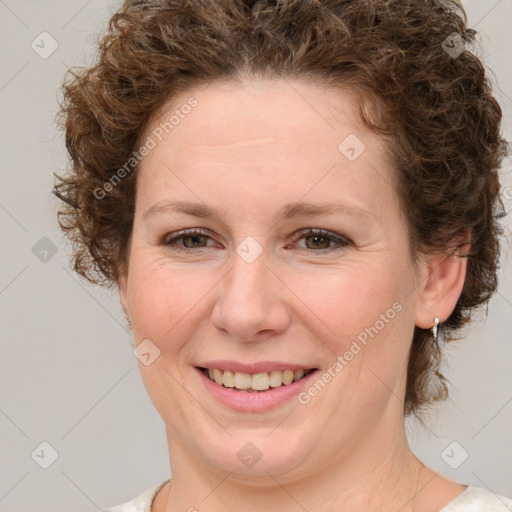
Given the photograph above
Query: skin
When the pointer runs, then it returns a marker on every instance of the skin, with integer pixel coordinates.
(246, 150)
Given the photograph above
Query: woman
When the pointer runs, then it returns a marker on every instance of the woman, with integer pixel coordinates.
(293, 199)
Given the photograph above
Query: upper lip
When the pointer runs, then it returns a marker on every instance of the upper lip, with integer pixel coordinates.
(260, 367)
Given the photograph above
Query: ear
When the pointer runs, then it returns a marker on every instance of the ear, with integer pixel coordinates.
(442, 284)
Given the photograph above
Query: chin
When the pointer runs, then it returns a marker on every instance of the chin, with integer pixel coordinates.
(255, 453)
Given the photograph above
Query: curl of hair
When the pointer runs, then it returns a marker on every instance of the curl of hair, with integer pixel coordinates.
(437, 112)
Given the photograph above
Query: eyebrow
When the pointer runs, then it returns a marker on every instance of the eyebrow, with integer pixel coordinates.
(288, 211)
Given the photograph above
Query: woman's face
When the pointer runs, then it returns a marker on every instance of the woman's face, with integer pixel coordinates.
(254, 291)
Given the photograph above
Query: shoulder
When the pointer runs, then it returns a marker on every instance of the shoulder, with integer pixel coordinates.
(141, 503)
(476, 499)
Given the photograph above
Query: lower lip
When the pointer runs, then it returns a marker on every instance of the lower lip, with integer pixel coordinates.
(258, 401)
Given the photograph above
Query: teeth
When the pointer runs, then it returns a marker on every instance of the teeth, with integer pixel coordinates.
(254, 382)
(288, 377)
(242, 380)
(276, 379)
(260, 381)
(228, 379)
(217, 375)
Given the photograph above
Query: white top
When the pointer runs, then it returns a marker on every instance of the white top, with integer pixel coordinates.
(473, 499)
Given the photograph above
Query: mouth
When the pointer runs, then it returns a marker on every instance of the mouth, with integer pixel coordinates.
(254, 382)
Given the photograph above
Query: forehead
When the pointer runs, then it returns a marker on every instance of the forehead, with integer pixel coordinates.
(295, 109)
(272, 139)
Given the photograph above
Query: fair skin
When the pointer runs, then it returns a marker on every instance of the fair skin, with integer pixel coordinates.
(245, 151)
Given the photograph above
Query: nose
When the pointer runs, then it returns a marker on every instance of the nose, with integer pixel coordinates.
(251, 303)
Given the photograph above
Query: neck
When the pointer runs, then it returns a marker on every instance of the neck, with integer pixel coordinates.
(376, 475)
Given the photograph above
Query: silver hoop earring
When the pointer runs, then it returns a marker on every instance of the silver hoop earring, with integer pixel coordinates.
(434, 330)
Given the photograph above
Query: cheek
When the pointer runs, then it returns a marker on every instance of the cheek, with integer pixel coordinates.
(362, 321)
(162, 310)
(366, 321)
(348, 300)
(161, 297)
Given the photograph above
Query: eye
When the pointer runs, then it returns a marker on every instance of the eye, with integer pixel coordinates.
(321, 239)
(190, 239)
(316, 239)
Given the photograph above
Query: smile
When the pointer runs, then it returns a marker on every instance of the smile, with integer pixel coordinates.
(256, 382)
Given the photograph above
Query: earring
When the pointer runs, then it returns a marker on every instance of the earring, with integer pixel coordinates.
(128, 320)
(434, 330)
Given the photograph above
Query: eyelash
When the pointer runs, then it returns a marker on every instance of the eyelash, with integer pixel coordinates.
(170, 242)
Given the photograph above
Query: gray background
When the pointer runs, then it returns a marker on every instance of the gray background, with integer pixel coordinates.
(68, 374)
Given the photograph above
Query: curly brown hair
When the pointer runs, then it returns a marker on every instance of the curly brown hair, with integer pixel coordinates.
(434, 106)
